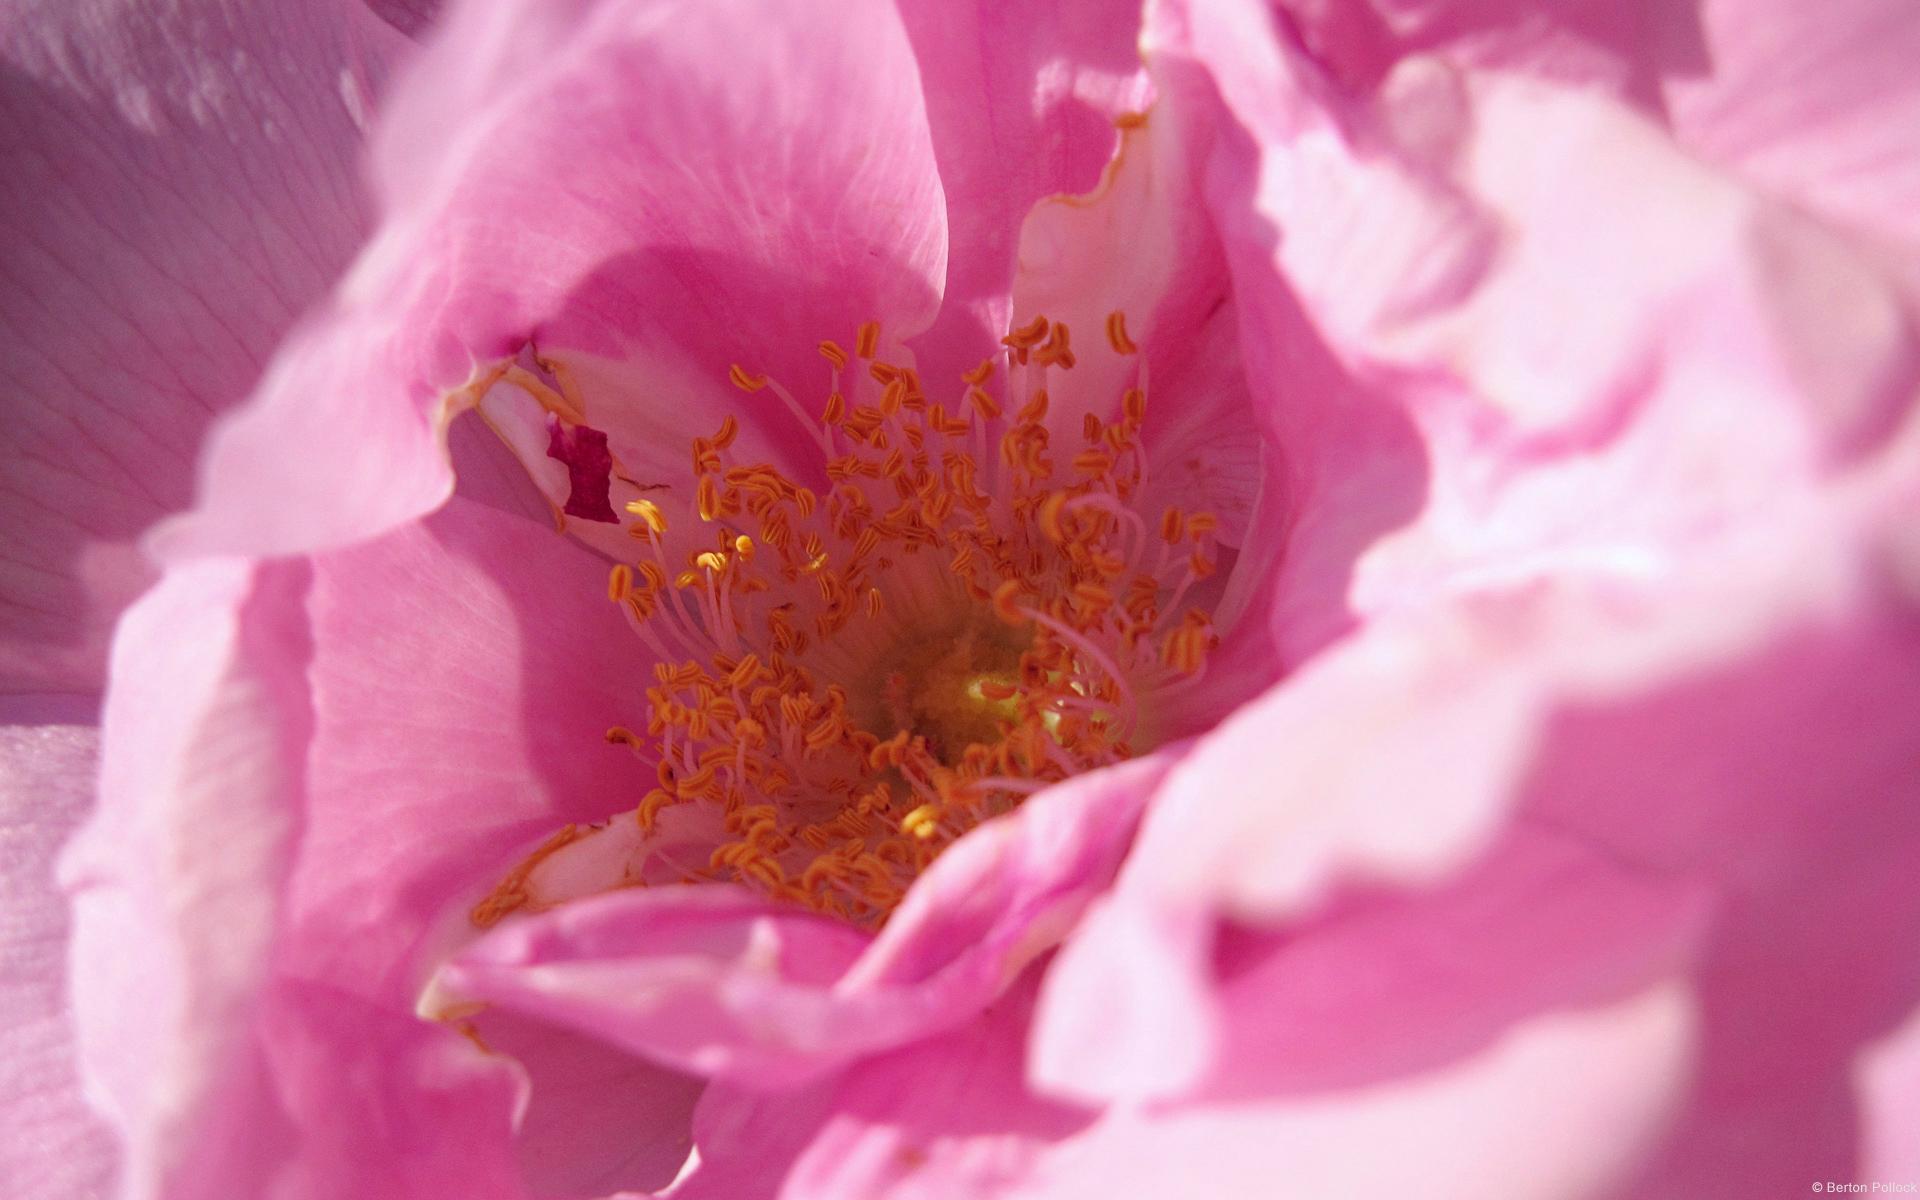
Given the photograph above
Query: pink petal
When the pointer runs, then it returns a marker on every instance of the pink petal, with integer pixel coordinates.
(1020, 104)
(179, 190)
(54, 1145)
(378, 1104)
(596, 1120)
(1139, 244)
(176, 878)
(581, 176)
(465, 673)
(1785, 779)
(713, 981)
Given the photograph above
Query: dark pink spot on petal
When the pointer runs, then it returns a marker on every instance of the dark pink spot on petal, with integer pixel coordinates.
(589, 469)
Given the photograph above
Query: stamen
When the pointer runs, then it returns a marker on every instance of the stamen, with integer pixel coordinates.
(849, 705)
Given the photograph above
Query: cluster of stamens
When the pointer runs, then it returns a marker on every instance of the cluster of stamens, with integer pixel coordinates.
(854, 674)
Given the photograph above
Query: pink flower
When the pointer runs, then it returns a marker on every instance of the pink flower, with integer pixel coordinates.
(1316, 601)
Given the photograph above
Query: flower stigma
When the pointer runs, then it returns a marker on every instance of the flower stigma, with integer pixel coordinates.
(854, 670)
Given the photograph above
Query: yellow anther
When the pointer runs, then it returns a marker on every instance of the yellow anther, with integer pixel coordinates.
(1130, 120)
(1199, 525)
(620, 735)
(619, 582)
(743, 546)
(867, 341)
(922, 822)
(745, 380)
(1134, 405)
(710, 561)
(836, 409)
(831, 351)
(650, 513)
(1117, 334)
(980, 374)
(707, 497)
(1173, 526)
(730, 427)
(873, 602)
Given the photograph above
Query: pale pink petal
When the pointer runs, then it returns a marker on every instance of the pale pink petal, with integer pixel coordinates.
(1812, 103)
(54, 1146)
(1560, 1107)
(714, 981)
(1380, 985)
(951, 1118)
(224, 1076)
(1379, 760)
(1887, 1082)
(581, 176)
(176, 877)
(179, 189)
(710, 980)
(1463, 229)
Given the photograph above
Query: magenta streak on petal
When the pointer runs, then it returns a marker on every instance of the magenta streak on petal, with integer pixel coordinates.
(589, 469)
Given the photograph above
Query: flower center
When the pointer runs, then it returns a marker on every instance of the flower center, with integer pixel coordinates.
(854, 671)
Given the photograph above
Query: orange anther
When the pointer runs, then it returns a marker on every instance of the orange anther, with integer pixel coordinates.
(1048, 516)
(1027, 336)
(1006, 602)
